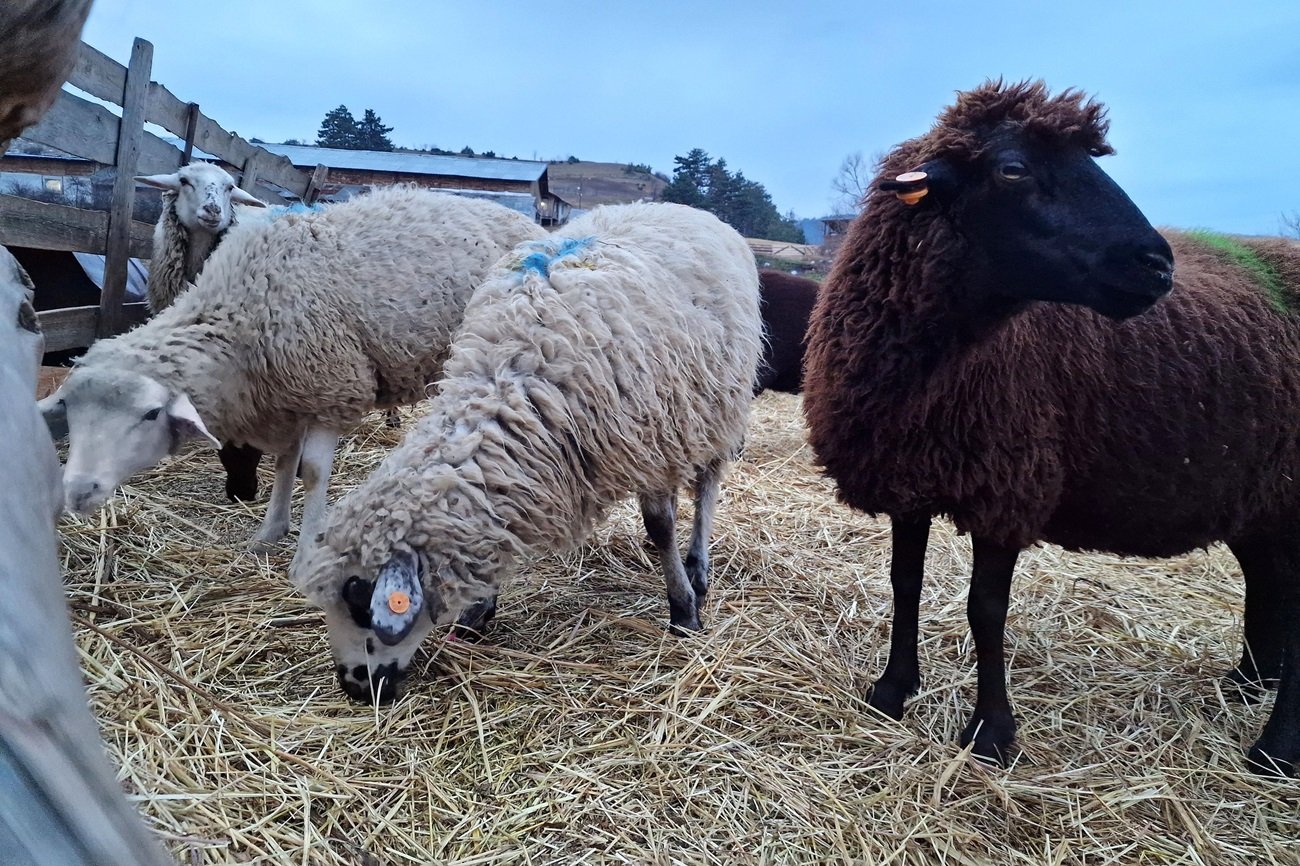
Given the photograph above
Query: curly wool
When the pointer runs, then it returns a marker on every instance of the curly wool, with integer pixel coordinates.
(322, 316)
(1151, 437)
(615, 358)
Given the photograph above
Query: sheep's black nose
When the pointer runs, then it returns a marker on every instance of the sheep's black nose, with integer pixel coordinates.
(1160, 262)
(379, 685)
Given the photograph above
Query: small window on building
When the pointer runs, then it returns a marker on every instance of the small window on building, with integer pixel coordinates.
(54, 184)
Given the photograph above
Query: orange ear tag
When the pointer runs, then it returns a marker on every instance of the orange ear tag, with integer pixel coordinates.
(399, 602)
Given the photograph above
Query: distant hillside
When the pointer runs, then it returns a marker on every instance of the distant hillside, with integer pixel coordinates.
(602, 183)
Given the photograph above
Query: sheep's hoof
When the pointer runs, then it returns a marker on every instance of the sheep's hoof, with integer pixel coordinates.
(994, 740)
(888, 697)
(1244, 688)
(265, 539)
(697, 569)
(1262, 762)
(683, 620)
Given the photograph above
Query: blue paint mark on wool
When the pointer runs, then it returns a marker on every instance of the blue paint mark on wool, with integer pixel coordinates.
(548, 252)
(296, 207)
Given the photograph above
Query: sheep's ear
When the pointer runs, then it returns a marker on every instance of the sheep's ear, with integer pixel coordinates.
(932, 181)
(185, 422)
(55, 413)
(240, 196)
(160, 181)
(398, 598)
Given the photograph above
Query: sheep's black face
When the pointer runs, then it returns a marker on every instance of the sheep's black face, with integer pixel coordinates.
(1044, 223)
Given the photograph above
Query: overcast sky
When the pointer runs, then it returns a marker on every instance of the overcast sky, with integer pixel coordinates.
(1204, 96)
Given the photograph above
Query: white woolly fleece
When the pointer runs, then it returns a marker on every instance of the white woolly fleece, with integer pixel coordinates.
(616, 357)
(320, 317)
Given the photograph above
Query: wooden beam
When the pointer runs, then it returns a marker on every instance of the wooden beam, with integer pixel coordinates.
(28, 223)
(99, 75)
(318, 178)
(248, 180)
(119, 218)
(77, 327)
(91, 131)
(191, 125)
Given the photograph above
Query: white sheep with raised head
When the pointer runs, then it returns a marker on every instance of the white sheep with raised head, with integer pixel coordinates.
(287, 339)
(199, 208)
(615, 358)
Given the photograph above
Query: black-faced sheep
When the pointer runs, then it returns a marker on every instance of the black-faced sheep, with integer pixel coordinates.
(287, 339)
(936, 386)
(787, 303)
(615, 358)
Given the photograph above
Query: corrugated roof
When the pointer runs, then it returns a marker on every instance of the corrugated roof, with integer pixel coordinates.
(306, 156)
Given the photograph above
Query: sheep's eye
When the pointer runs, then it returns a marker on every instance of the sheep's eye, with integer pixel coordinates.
(1013, 171)
(185, 181)
(230, 187)
(152, 414)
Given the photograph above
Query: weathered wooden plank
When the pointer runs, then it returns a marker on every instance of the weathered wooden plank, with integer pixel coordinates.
(90, 131)
(60, 803)
(76, 327)
(27, 223)
(131, 132)
(99, 75)
(318, 178)
(191, 126)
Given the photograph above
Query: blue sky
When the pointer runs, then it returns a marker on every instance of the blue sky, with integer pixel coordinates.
(1204, 97)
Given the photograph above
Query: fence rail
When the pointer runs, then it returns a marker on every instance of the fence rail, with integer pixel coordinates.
(88, 130)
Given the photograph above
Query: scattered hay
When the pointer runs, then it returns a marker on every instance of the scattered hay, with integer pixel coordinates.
(583, 732)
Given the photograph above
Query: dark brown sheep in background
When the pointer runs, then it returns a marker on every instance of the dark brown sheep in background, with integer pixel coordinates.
(935, 386)
(787, 302)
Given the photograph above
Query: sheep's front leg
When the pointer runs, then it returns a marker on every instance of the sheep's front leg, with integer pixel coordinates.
(660, 520)
(317, 462)
(706, 504)
(992, 727)
(276, 523)
(902, 676)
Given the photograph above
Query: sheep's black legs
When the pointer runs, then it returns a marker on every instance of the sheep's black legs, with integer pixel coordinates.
(240, 463)
(706, 504)
(991, 727)
(1272, 571)
(660, 515)
(1268, 620)
(902, 676)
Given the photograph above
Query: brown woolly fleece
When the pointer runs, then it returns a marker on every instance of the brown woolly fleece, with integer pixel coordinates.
(1150, 437)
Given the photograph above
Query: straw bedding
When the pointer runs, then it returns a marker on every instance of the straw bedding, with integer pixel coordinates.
(582, 732)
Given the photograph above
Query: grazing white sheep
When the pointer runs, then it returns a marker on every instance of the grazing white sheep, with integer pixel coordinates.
(617, 357)
(287, 339)
(198, 210)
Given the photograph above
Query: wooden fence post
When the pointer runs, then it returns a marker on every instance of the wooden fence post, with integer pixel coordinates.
(318, 177)
(191, 127)
(130, 134)
(248, 181)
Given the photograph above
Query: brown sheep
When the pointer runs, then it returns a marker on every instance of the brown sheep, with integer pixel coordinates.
(787, 302)
(37, 50)
(936, 386)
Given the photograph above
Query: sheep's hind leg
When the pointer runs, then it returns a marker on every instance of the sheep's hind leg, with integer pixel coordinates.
(317, 463)
(992, 727)
(707, 483)
(1274, 628)
(1268, 574)
(902, 676)
(660, 517)
(275, 525)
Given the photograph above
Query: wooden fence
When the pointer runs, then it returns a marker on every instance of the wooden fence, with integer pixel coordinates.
(88, 130)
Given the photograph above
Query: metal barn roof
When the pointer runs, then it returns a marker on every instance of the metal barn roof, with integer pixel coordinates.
(410, 163)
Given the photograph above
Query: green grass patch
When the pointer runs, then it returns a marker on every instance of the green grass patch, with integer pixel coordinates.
(1264, 274)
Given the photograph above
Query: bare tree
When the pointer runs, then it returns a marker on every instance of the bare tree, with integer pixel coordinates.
(851, 183)
(1291, 224)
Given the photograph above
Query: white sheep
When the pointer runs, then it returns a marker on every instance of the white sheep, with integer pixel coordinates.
(617, 357)
(198, 209)
(287, 339)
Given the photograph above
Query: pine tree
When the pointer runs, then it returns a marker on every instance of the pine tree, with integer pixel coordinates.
(338, 129)
(372, 134)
